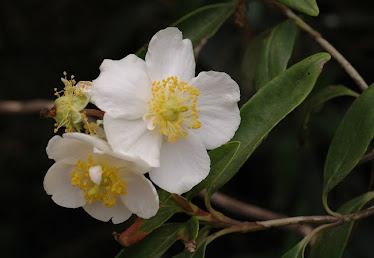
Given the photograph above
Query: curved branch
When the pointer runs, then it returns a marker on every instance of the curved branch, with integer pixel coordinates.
(254, 212)
(263, 225)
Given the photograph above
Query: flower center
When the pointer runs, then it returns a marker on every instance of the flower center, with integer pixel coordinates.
(98, 181)
(172, 108)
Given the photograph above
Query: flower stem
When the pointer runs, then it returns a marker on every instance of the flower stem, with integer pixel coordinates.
(94, 112)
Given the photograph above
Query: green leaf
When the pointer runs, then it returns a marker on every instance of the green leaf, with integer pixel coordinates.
(249, 65)
(315, 101)
(155, 244)
(275, 52)
(201, 245)
(258, 116)
(168, 208)
(191, 230)
(332, 242)
(350, 141)
(219, 159)
(201, 24)
(263, 112)
(309, 7)
(298, 250)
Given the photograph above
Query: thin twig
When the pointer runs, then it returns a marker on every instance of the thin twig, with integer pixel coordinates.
(254, 212)
(263, 225)
(20, 107)
(351, 71)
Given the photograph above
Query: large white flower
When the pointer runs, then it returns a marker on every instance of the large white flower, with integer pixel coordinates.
(88, 174)
(159, 111)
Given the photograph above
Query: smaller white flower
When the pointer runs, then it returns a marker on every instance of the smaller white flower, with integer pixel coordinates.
(88, 174)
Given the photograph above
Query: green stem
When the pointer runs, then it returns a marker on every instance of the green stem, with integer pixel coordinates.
(218, 215)
(327, 208)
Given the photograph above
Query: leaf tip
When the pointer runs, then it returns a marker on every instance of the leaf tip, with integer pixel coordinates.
(314, 12)
(325, 57)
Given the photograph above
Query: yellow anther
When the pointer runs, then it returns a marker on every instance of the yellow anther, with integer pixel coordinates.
(173, 107)
(107, 191)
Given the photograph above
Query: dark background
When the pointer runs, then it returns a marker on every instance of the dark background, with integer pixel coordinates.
(40, 39)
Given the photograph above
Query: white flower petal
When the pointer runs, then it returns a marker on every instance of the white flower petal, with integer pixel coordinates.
(69, 150)
(131, 137)
(170, 55)
(142, 197)
(92, 140)
(116, 159)
(122, 88)
(118, 213)
(184, 164)
(57, 182)
(219, 113)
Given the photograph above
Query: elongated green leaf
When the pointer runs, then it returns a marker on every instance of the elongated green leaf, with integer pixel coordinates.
(328, 93)
(332, 242)
(204, 22)
(190, 231)
(201, 244)
(200, 24)
(269, 106)
(259, 115)
(199, 252)
(219, 158)
(298, 250)
(350, 141)
(314, 102)
(155, 244)
(249, 65)
(275, 52)
(309, 7)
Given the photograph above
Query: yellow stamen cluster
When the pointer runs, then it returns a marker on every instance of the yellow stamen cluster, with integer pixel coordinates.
(172, 108)
(89, 127)
(71, 100)
(111, 185)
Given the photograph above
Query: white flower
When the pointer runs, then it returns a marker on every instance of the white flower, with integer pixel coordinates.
(88, 174)
(158, 111)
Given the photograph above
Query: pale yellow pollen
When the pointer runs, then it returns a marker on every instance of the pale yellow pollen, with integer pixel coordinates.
(172, 108)
(110, 187)
(68, 100)
(90, 128)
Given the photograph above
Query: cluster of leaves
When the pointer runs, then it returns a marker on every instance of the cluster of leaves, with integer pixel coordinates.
(279, 91)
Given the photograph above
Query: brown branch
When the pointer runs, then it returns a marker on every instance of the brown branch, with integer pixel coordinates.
(263, 225)
(21, 107)
(253, 212)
